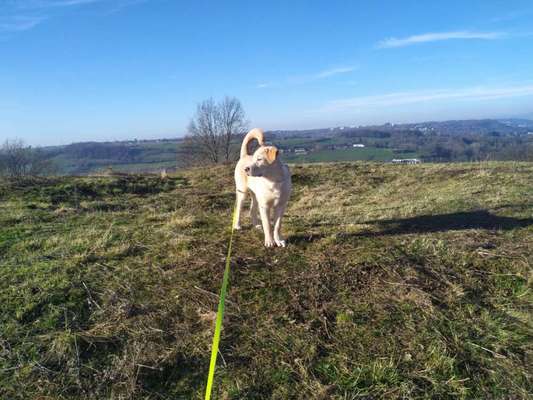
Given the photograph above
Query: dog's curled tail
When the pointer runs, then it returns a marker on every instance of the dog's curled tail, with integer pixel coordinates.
(255, 133)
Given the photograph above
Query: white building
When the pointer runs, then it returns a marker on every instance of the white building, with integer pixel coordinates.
(406, 161)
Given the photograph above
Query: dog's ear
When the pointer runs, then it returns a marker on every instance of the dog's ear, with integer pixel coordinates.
(271, 154)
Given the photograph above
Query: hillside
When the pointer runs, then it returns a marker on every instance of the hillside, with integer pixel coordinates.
(514, 126)
(398, 282)
(127, 156)
(461, 140)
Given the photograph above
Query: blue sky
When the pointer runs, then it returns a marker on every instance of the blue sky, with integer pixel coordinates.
(79, 70)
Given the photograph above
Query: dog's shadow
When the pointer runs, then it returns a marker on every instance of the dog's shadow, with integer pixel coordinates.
(427, 224)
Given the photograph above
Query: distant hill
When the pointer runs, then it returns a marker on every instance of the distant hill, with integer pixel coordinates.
(482, 126)
(130, 156)
(518, 122)
(451, 127)
(455, 140)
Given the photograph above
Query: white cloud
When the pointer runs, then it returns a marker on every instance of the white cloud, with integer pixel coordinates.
(114, 5)
(19, 23)
(27, 14)
(41, 4)
(479, 93)
(436, 36)
(67, 3)
(332, 71)
(301, 79)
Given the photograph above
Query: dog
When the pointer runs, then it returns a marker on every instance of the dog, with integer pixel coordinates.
(269, 183)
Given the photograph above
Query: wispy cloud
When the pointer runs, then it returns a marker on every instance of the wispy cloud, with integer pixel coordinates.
(44, 4)
(19, 23)
(306, 78)
(112, 5)
(479, 93)
(438, 36)
(263, 85)
(18, 16)
(119, 5)
(332, 71)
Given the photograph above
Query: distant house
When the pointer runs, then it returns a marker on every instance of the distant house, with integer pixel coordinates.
(300, 151)
(406, 161)
(358, 145)
(163, 173)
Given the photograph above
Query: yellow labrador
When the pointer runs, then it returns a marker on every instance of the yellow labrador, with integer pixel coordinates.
(269, 182)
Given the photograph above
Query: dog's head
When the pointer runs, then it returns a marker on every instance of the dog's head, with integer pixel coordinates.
(262, 159)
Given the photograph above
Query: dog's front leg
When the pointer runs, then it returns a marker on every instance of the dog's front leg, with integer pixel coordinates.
(265, 220)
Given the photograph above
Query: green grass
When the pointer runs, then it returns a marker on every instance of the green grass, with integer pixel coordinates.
(155, 166)
(356, 154)
(155, 156)
(152, 157)
(399, 282)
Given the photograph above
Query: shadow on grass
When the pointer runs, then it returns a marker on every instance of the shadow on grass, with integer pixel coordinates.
(428, 224)
(182, 377)
(450, 222)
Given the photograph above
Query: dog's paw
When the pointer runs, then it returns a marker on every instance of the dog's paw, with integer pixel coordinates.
(237, 227)
(258, 226)
(270, 243)
(281, 243)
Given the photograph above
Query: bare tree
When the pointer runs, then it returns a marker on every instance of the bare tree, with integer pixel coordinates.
(212, 130)
(18, 160)
(203, 131)
(232, 123)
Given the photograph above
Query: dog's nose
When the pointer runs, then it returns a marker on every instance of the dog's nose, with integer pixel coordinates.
(247, 169)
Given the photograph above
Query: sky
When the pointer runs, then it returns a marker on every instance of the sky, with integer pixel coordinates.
(98, 70)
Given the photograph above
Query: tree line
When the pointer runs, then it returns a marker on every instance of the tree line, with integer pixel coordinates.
(445, 147)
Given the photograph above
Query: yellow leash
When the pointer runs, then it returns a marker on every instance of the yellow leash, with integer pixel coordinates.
(220, 316)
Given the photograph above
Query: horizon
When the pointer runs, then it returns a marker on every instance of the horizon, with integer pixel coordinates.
(180, 137)
(135, 69)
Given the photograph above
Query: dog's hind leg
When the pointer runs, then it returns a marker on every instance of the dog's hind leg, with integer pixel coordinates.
(241, 196)
(254, 212)
(278, 214)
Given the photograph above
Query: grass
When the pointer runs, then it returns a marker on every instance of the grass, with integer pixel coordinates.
(151, 157)
(408, 282)
(356, 154)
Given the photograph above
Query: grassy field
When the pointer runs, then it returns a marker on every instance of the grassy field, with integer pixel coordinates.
(358, 154)
(409, 282)
(151, 157)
